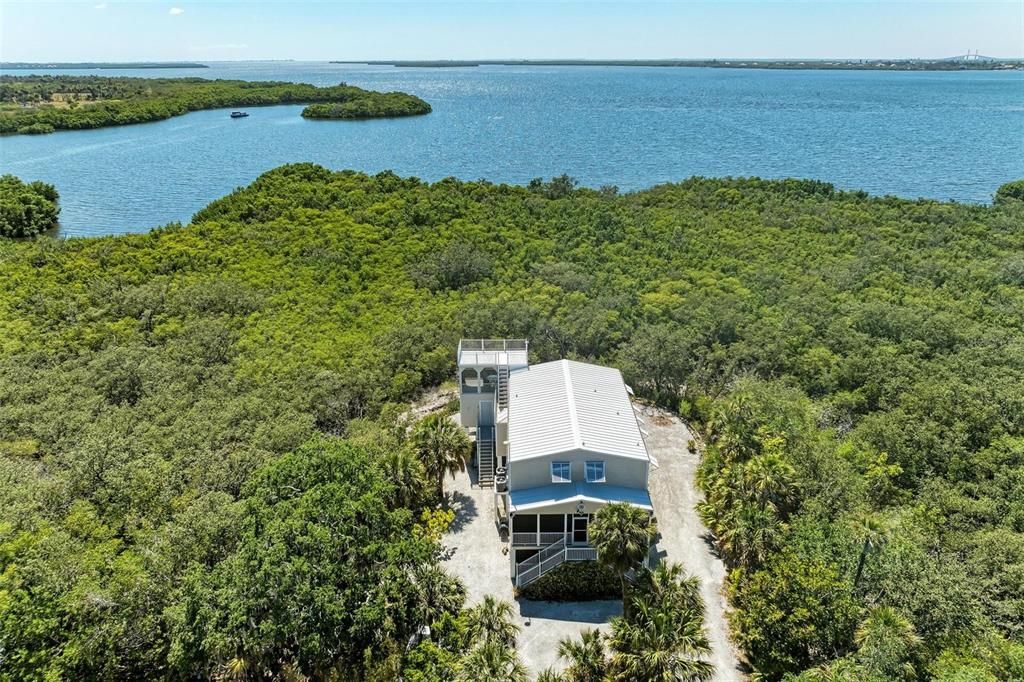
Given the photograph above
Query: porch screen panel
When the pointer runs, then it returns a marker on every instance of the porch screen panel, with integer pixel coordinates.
(524, 523)
(552, 523)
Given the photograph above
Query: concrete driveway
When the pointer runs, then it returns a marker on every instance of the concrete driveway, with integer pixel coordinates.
(480, 559)
(683, 537)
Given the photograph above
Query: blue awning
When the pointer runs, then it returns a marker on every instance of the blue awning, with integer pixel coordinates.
(578, 491)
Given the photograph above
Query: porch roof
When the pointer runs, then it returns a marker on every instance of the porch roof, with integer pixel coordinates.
(560, 493)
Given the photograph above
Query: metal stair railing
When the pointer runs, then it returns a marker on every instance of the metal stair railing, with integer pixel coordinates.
(540, 563)
(502, 386)
(485, 443)
(485, 454)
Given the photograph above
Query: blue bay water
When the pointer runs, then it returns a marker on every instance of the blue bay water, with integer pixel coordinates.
(952, 135)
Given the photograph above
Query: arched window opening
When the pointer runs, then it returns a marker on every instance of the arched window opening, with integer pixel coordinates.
(470, 380)
(489, 380)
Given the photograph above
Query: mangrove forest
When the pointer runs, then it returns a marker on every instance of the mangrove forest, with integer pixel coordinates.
(208, 467)
(43, 104)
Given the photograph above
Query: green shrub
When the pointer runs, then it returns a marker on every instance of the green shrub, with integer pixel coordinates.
(1011, 191)
(574, 581)
(26, 209)
(36, 129)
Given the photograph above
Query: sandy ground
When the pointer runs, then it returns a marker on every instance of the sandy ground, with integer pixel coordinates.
(479, 558)
(684, 539)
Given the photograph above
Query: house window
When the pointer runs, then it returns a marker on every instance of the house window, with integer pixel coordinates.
(560, 472)
(595, 472)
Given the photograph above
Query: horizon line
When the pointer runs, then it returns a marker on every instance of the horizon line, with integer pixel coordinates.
(371, 60)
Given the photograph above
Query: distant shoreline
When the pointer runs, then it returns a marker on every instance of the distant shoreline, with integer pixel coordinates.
(22, 66)
(41, 104)
(785, 64)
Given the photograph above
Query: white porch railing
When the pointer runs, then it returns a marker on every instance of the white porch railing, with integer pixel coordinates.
(534, 539)
(493, 344)
(553, 555)
(580, 554)
(540, 563)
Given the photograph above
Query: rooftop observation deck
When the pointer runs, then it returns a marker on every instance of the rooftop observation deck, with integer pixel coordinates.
(493, 352)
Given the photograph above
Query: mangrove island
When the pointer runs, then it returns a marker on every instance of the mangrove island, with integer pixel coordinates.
(43, 104)
(382, 105)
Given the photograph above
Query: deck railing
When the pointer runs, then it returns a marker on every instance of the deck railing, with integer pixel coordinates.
(540, 563)
(480, 345)
(535, 539)
(580, 554)
(549, 557)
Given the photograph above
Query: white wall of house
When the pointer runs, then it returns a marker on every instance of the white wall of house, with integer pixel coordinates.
(470, 395)
(536, 471)
(501, 434)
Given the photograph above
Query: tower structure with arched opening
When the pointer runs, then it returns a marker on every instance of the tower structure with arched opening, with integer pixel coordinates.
(484, 369)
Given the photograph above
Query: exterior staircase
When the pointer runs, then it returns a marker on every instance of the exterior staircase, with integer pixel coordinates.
(540, 563)
(485, 455)
(502, 386)
(555, 554)
(485, 444)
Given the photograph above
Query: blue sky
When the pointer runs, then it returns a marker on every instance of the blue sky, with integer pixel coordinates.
(178, 30)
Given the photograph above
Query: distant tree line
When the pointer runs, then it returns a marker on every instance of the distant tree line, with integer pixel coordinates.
(43, 104)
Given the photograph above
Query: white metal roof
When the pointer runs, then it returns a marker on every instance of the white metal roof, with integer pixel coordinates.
(565, 405)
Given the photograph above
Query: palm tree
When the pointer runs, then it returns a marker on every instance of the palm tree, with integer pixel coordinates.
(886, 641)
(490, 621)
(492, 661)
(670, 587)
(768, 479)
(404, 469)
(875, 533)
(442, 446)
(748, 535)
(622, 535)
(437, 592)
(550, 675)
(732, 425)
(586, 657)
(659, 645)
(662, 637)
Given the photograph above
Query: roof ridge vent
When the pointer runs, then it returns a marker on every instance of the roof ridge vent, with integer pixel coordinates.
(570, 398)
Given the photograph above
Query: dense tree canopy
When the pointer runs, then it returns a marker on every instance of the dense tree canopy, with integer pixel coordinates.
(381, 105)
(42, 104)
(855, 364)
(26, 208)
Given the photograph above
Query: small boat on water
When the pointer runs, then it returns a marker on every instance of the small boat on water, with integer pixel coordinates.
(239, 114)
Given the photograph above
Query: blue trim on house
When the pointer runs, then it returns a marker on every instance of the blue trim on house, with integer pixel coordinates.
(560, 493)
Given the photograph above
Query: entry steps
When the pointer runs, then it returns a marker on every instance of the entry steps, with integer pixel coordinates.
(552, 556)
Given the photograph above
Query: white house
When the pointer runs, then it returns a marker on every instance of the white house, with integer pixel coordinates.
(564, 441)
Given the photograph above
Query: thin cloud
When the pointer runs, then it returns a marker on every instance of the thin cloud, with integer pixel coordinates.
(175, 11)
(102, 5)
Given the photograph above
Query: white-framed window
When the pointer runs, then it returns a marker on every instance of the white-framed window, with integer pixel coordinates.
(560, 472)
(595, 472)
